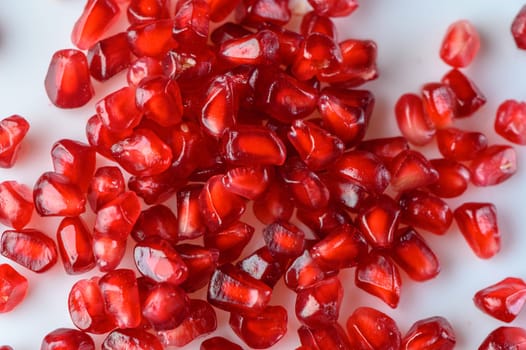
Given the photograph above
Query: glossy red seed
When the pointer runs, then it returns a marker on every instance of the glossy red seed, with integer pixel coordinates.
(229, 241)
(142, 11)
(440, 104)
(152, 38)
(262, 266)
(423, 210)
(75, 160)
(106, 184)
(303, 272)
(334, 8)
(13, 129)
(165, 306)
(201, 263)
(318, 305)
(189, 218)
(55, 195)
(504, 338)
(386, 148)
(275, 203)
(17, 204)
(322, 222)
(13, 288)
(118, 112)
(219, 343)
(157, 221)
(510, 121)
(413, 121)
(332, 337)
(314, 23)
(469, 97)
(460, 145)
(255, 12)
(453, 178)
(306, 188)
(318, 56)
(75, 245)
(261, 331)
(96, 19)
(109, 56)
(131, 339)
(253, 49)
(518, 28)
(116, 218)
(284, 240)
(503, 300)
(495, 164)
(66, 338)
(411, 169)
(234, 290)
(247, 182)
(160, 100)
(68, 81)
(159, 261)
(108, 252)
(157, 188)
(201, 320)
(478, 224)
(143, 67)
(191, 23)
(378, 220)
(101, 138)
(433, 333)
(411, 252)
(186, 67)
(30, 248)
(369, 328)
(378, 275)
(461, 44)
(359, 64)
(219, 107)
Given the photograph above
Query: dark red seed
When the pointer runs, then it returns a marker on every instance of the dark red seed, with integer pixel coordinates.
(96, 19)
(358, 66)
(433, 333)
(157, 221)
(247, 182)
(469, 97)
(453, 178)
(303, 272)
(131, 339)
(510, 121)
(307, 189)
(332, 337)
(75, 245)
(108, 252)
(385, 148)
(314, 23)
(55, 195)
(440, 104)
(66, 338)
(323, 221)
(261, 331)
(191, 23)
(152, 38)
(143, 67)
(413, 121)
(378, 220)
(369, 328)
(106, 184)
(13, 288)
(229, 241)
(118, 112)
(159, 98)
(201, 263)
(518, 28)
(30, 248)
(275, 203)
(334, 8)
(159, 261)
(116, 218)
(262, 266)
(254, 12)
(189, 218)
(461, 44)
(504, 338)
(142, 11)
(284, 240)
(503, 300)
(109, 57)
(460, 145)
(165, 306)
(410, 170)
(423, 210)
(75, 160)
(318, 305)
(495, 164)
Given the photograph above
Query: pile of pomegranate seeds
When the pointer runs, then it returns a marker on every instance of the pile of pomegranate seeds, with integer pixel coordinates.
(237, 171)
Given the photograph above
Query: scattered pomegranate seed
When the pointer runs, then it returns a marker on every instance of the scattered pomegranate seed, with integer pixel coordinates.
(433, 333)
(423, 210)
(461, 44)
(518, 28)
(510, 122)
(303, 272)
(30, 248)
(440, 104)
(369, 328)
(469, 97)
(413, 121)
(13, 288)
(495, 164)
(505, 338)
(65, 338)
(17, 204)
(13, 129)
(453, 178)
(263, 330)
(121, 339)
(219, 343)
(75, 245)
(330, 337)
(109, 56)
(229, 241)
(460, 145)
(503, 300)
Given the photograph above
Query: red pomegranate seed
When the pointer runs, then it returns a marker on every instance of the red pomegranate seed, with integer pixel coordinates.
(219, 107)
(385, 148)
(478, 224)
(303, 272)
(55, 195)
(332, 337)
(141, 68)
(358, 66)
(469, 97)
(323, 221)
(247, 182)
(423, 210)
(307, 189)
(201, 263)
(109, 56)
(108, 252)
(13, 129)
(433, 333)
(201, 320)
(411, 252)
(318, 56)
(453, 178)
(106, 184)
(75, 160)
(318, 305)
(518, 28)
(461, 44)
(261, 331)
(189, 219)
(334, 8)
(503, 300)
(187, 67)
(152, 38)
(118, 112)
(289, 43)
(275, 203)
(159, 261)
(505, 338)
(75, 245)
(157, 221)
(234, 290)
(96, 19)
(262, 266)
(284, 240)
(17, 204)
(157, 188)
(143, 11)
(66, 338)
(411, 169)
(5, 347)
(510, 121)
(229, 241)
(219, 343)
(256, 12)
(159, 98)
(378, 220)
(131, 339)
(495, 164)
(116, 218)
(121, 297)
(369, 328)
(440, 104)
(314, 23)
(13, 288)
(460, 145)
(191, 23)
(253, 49)
(101, 138)
(30, 248)
(165, 306)
(413, 120)
(220, 9)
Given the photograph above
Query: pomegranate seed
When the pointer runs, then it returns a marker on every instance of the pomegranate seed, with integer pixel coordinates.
(152, 38)
(303, 272)
(101, 138)
(314, 23)
(495, 164)
(201, 263)
(413, 121)
(440, 104)
(200, 321)
(284, 240)
(165, 306)
(518, 28)
(228, 31)
(478, 224)
(255, 12)
(157, 221)
(345, 191)
(191, 23)
(66, 338)
(106, 184)
(460, 145)
(358, 66)
(75, 245)
(262, 266)
(411, 252)
(230, 241)
(96, 18)
(219, 343)
(504, 300)
(323, 221)
(254, 49)
(13, 288)
(378, 275)
(306, 187)
(461, 44)
(334, 8)
(289, 43)
(143, 11)
(385, 148)
(116, 218)
(275, 203)
(469, 97)
(190, 221)
(141, 68)
(318, 305)
(156, 188)
(423, 210)
(55, 195)
(29, 248)
(109, 56)
(220, 9)
(17, 204)
(505, 338)
(5, 347)
(369, 328)
(453, 178)
(108, 252)
(159, 261)
(247, 182)
(160, 100)
(131, 339)
(75, 160)
(118, 112)
(318, 56)
(411, 169)
(378, 220)
(12, 131)
(433, 333)
(261, 331)
(510, 122)
(332, 337)
(218, 112)
(234, 290)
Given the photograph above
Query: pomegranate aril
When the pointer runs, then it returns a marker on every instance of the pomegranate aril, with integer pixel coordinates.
(440, 104)
(67, 338)
(30, 248)
(189, 218)
(253, 49)
(187, 68)
(116, 218)
(504, 300)
(385, 148)
(247, 182)
(307, 189)
(334, 8)
(303, 272)
(157, 188)
(378, 275)
(410, 170)
(369, 328)
(318, 56)
(219, 107)
(106, 184)
(319, 304)
(191, 23)
(75, 160)
(275, 203)
(234, 290)
(262, 266)
(131, 339)
(157, 221)
(13, 129)
(201, 263)
(165, 306)
(460, 145)
(314, 23)
(75, 245)
(378, 220)
(433, 333)
(143, 11)
(109, 56)
(158, 260)
(229, 241)
(220, 9)
(332, 337)
(504, 338)
(159, 98)
(143, 67)
(108, 252)
(510, 121)
(17, 204)
(493, 165)
(261, 331)
(152, 38)
(219, 343)
(13, 288)
(322, 222)
(453, 178)
(461, 44)
(257, 12)
(411, 252)
(96, 18)
(201, 320)
(423, 210)
(413, 120)
(358, 66)
(284, 240)
(469, 97)
(101, 138)
(55, 195)
(518, 28)
(289, 43)
(478, 224)
(117, 111)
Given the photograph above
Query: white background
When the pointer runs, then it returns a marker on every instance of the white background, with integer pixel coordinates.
(408, 34)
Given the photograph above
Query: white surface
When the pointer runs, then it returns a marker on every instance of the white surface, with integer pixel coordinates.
(408, 34)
